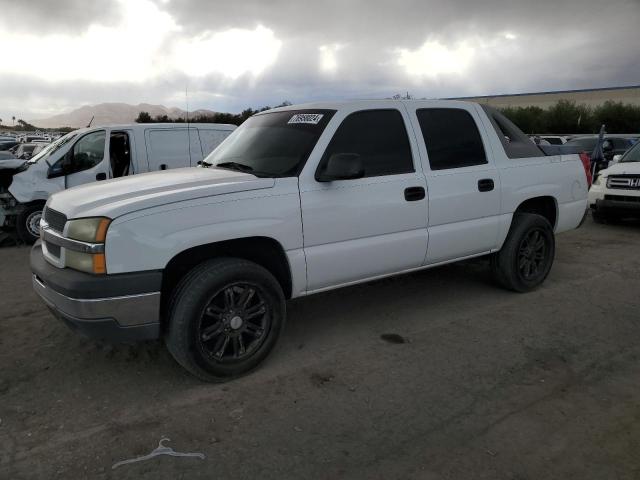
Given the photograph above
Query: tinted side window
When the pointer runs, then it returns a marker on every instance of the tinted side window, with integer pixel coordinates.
(379, 137)
(88, 152)
(452, 138)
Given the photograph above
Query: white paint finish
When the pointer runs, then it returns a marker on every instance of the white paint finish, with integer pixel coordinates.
(354, 230)
(120, 196)
(570, 215)
(148, 239)
(351, 260)
(462, 220)
(598, 191)
(361, 227)
(298, 268)
(172, 148)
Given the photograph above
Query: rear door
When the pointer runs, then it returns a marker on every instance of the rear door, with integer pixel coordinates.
(463, 182)
(172, 148)
(366, 227)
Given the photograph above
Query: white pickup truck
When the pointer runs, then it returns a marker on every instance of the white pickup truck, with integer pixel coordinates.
(300, 200)
(97, 153)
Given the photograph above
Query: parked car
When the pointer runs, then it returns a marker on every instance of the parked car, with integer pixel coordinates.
(7, 144)
(300, 200)
(615, 192)
(25, 151)
(98, 153)
(613, 144)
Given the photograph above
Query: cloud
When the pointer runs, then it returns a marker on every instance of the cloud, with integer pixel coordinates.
(433, 59)
(255, 53)
(230, 53)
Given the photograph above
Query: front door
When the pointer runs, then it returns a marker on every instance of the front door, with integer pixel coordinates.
(87, 162)
(371, 226)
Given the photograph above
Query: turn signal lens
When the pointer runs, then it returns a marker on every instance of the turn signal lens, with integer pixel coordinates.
(99, 263)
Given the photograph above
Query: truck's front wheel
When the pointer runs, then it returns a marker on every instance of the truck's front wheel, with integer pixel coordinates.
(527, 255)
(28, 222)
(225, 317)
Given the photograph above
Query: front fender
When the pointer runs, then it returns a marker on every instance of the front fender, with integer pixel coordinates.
(148, 242)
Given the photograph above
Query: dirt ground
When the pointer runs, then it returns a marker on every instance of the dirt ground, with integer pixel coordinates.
(433, 375)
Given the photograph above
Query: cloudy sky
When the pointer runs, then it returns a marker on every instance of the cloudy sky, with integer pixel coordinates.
(234, 54)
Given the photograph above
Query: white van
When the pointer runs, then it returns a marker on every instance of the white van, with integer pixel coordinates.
(98, 153)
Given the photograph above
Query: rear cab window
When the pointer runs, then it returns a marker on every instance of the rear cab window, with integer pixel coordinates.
(451, 137)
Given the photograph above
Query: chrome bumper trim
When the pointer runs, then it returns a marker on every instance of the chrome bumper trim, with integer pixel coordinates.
(51, 236)
(129, 310)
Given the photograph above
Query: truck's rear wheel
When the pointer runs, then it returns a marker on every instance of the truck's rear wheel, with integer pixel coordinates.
(527, 255)
(224, 318)
(28, 223)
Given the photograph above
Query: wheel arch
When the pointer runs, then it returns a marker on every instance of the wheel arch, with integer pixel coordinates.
(544, 205)
(264, 251)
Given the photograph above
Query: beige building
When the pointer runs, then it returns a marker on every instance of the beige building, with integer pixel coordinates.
(592, 97)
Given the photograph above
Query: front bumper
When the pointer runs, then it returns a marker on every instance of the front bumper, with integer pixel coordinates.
(116, 308)
(618, 204)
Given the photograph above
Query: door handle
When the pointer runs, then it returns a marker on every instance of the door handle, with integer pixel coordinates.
(413, 194)
(101, 176)
(485, 185)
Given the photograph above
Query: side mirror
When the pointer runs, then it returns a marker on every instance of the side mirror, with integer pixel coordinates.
(342, 166)
(616, 158)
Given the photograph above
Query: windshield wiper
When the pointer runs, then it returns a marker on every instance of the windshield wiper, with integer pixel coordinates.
(240, 167)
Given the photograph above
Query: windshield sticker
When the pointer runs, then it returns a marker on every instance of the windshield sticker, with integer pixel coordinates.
(310, 118)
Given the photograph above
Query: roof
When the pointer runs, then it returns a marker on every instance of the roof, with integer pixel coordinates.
(340, 104)
(600, 89)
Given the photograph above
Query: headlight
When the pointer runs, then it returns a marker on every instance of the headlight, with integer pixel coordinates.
(90, 230)
(93, 230)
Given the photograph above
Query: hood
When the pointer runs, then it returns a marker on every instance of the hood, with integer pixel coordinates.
(113, 198)
(622, 168)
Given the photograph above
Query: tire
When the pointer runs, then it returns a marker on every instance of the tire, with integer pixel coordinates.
(28, 223)
(598, 217)
(209, 305)
(527, 255)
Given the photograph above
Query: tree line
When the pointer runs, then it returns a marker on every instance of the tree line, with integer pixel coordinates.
(218, 117)
(568, 117)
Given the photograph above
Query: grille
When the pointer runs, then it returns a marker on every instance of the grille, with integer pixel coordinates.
(622, 198)
(55, 219)
(628, 182)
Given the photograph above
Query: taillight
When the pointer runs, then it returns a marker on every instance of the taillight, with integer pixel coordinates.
(586, 163)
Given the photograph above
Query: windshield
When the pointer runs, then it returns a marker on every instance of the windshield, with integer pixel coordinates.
(633, 155)
(53, 147)
(271, 144)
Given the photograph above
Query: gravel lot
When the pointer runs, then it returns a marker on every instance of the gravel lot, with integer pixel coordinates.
(432, 375)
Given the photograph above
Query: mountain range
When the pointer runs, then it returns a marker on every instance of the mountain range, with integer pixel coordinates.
(111, 114)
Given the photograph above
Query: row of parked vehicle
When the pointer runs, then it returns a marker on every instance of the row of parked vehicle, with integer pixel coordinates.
(29, 178)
